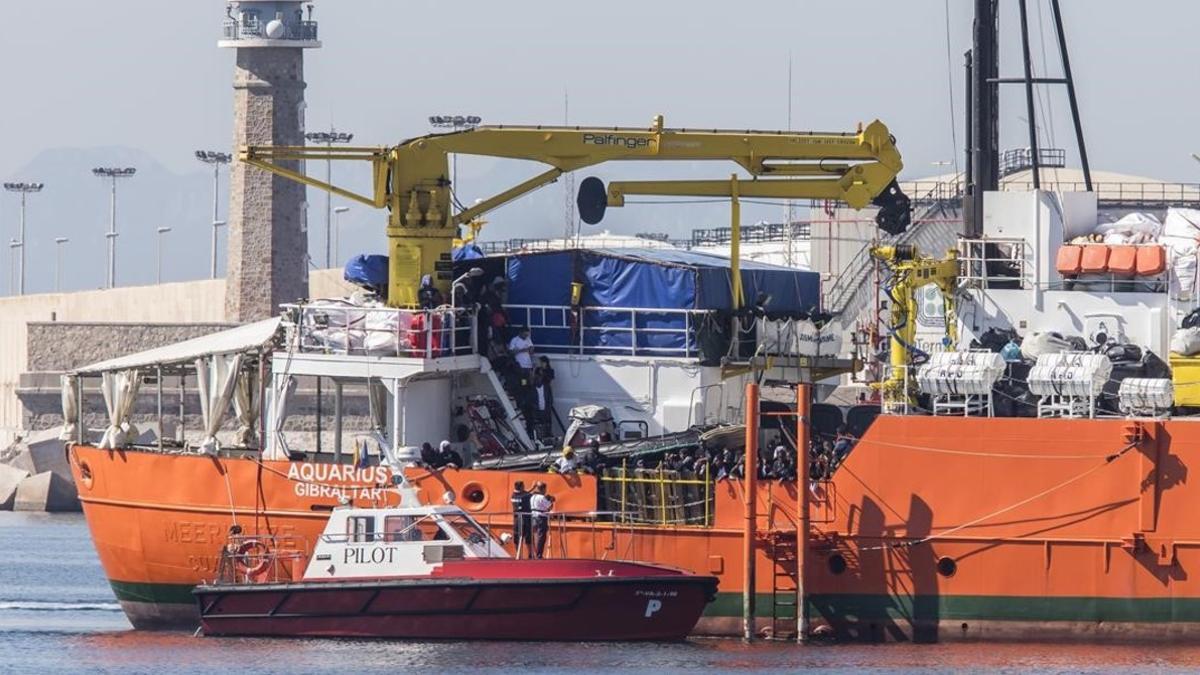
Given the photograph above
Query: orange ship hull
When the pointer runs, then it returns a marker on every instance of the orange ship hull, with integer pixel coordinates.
(1013, 528)
(933, 529)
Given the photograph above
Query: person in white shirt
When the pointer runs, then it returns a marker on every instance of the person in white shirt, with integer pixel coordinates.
(521, 347)
(540, 505)
(567, 464)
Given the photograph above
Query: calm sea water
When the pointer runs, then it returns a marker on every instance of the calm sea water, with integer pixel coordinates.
(57, 614)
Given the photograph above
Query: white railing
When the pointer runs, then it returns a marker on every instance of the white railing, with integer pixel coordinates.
(636, 331)
(339, 327)
(993, 263)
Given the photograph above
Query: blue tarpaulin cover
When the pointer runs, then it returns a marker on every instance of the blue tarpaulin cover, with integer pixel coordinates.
(656, 278)
(666, 279)
(370, 271)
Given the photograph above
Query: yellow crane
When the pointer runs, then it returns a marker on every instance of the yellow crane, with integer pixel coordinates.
(909, 273)
(411, 179)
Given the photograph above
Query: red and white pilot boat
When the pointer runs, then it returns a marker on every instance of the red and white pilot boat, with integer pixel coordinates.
(432, 572)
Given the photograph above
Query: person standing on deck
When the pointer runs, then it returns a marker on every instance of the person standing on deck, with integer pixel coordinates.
(540, 504)
(522, 521)
(521, 348)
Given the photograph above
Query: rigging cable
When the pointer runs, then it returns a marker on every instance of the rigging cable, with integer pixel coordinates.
(1109, 459)
(950, 85)
(1049, 112)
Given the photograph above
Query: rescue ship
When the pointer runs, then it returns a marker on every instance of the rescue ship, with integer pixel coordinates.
(1022, 473)
(652, 352)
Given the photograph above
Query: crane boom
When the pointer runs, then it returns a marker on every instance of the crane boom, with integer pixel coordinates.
(412, 181)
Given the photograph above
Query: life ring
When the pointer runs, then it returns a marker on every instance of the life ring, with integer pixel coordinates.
(251, 550)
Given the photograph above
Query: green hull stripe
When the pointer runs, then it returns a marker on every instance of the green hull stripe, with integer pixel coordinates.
(159, 594)
(853, 607)
(842, 608)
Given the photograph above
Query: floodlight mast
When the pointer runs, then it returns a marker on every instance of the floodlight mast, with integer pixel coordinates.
(23, 189)
(216, 160)
(455, 123)
(113, 174)
(328, 138)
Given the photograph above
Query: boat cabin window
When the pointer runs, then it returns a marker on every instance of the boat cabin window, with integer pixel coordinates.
(360, 529)
(400, 528)
(430, 530)
(467, 529)
(412, 528)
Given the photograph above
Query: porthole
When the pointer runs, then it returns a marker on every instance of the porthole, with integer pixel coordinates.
(837, 564)
(946, 566)
(473, 497)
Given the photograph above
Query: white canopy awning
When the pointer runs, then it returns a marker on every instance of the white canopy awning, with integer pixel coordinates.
(248, 338)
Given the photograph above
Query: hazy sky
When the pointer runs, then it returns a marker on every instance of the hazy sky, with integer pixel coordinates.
(147, 75)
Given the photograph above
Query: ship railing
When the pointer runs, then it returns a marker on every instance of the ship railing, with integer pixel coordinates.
(611, 535)
(658, 496)
(339, 327)
(1116, 194)
(629, 331)
(262, 559)
(994, 262)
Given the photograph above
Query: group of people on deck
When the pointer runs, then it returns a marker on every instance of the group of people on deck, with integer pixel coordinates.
(531, 519)
(527, 377)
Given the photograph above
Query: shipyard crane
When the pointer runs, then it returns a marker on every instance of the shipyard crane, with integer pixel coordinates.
(909, 273)
(411, 179)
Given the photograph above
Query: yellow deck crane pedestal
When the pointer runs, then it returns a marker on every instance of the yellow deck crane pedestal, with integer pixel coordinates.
(411, 180)
(909, 273)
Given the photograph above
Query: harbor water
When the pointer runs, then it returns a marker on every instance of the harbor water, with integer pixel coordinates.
(57, 614)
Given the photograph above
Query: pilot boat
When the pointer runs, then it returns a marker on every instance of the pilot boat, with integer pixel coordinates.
(419, 571)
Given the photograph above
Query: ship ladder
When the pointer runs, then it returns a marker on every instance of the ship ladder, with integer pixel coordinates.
(784, 589)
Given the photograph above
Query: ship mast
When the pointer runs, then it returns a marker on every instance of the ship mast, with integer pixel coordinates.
(982, 113)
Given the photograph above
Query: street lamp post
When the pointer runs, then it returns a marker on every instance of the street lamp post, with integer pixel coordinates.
(23, 189)
(13, 245)
(337, 231)
(113, 174)
(216, 226)
(454, 123)
(58, 247)
(158, 258)
(216, 160)
(329, 138)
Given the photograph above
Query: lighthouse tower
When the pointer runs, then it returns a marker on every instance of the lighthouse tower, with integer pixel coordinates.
(268, 239)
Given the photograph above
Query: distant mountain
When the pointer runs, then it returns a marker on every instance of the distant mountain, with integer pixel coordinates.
(75, 204)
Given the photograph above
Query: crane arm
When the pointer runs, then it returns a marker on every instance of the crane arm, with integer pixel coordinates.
(412, 179)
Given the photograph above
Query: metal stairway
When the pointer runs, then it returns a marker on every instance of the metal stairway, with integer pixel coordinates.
(933, 231)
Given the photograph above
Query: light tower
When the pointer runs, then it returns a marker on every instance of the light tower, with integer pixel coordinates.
(23, 189)
(113, 174)
(328, 138)
(268, 245)
(455, 123)
(215, 160)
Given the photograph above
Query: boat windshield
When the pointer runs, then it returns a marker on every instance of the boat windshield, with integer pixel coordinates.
(412, 528)
(466, 528)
